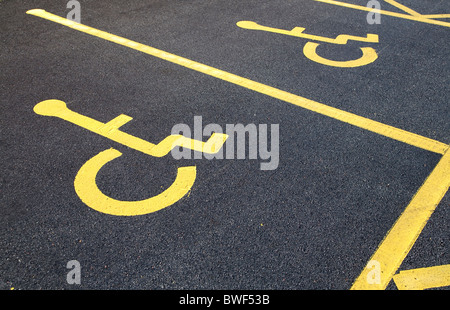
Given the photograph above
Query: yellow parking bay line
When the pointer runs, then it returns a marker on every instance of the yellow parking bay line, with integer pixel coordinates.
(350, 118)
(402, 236)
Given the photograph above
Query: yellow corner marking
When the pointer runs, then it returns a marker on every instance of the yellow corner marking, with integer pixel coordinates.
(110, 130)
(402, 236)
(369, 55)
(350, 118)
(298, 32)
(423, 278)
(419, 18)
(88, 191)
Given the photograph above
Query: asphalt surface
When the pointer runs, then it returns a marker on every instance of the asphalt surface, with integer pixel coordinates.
(312, 223)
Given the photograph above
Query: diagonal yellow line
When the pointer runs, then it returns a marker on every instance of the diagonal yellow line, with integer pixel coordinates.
(350, 118)
(402, 236)
(423, 278)
(420, 18)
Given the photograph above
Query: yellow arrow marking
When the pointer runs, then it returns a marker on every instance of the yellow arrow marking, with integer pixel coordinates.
(423, 278)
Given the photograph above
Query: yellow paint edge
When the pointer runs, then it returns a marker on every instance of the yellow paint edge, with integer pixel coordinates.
(402, 236)
(350, 118)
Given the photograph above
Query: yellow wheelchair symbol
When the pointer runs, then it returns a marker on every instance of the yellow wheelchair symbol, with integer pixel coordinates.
(85, 180)
(369, 54)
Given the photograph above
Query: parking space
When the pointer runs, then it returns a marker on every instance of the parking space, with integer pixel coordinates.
(353, 193)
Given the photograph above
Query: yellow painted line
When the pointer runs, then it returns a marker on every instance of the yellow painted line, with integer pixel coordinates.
(420, 18)
(88, 191)
(298, 32)
(110, 130)
(350, 118)
(402, 7)
(402, 236)
(436, 15)
(423, 278)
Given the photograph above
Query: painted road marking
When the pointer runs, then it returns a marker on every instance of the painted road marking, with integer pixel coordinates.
(298, 32)
(418, 18)
(369, 54)
(403, 8)
(88, 191)
(347, 117)
(402, 236)
(423, 278)
(411, 222)
(110, 130)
